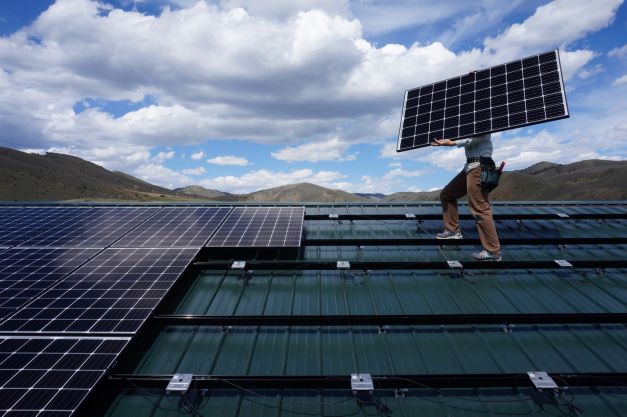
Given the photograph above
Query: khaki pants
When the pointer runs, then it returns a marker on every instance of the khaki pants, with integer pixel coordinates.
(470, 183)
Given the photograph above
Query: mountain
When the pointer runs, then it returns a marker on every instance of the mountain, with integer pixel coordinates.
(199, 191)
(303, 192)
(593, 179)
(584, 180)
(63, 177)
(56, 176)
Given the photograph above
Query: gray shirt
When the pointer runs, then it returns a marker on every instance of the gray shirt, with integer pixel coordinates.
(476, 146)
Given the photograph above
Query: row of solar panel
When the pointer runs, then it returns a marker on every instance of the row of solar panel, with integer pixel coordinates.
(46, 376)
(147, 227)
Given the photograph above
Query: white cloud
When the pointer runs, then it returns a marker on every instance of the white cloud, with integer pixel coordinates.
(589, 72)
(163, 156)
(574, 18)
(282, 9)
(194, 171)
(156, 173)
(618, 52)
(620, 80)
(275, 75)
(263, 179)
(329, 150)
(228, 160)
(197, 156)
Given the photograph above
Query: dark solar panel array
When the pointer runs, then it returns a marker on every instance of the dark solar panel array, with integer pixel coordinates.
(49, 377)
(115, 292)
(261, 227)
(176, 227)
(520, 93)
(25, 273)
(95, 227)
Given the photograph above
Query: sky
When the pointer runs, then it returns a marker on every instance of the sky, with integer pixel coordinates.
(243, 95)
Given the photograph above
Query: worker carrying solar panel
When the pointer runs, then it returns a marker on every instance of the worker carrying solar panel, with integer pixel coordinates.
(519, 93)
(472, 180)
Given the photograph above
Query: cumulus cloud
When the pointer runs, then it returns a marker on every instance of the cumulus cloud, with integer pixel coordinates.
(159, 174)
(228, 160)
(620, 80)
(618, 52)
(263, 179)
(589, 72)
(237, 70)
(197, 156)
(194, 171)
(163, 156)
(329, 150)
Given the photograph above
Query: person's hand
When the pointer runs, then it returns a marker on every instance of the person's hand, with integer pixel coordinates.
(443, 142)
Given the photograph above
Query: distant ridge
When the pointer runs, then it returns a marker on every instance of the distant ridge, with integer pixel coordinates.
(54, 177)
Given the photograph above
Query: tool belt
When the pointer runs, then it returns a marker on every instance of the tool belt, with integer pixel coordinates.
(490, 176)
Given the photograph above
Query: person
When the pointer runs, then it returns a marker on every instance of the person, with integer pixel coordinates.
(468, 181)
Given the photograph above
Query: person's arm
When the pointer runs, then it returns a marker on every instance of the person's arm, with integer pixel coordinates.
(448, 142)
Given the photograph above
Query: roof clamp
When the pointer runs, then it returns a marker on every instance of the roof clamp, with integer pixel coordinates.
(335, 216)
(227, 329)
(241, 265)
(562, 215)
(563, 263)
(456, 266)
(507, 328)
(400, 392)
(245, 273)
(410, 216)
(362, 384)
(541, 380)
(343, 265)
(383, 329)
(179, 383)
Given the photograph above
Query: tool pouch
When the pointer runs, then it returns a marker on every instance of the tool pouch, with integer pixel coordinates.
(489, 175)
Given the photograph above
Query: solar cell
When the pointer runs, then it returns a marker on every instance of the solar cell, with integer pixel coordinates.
(69, 226)
(176, 227)
(112, 293)
(519, 93)
(261, 227)
(26, 273)
(45, 376)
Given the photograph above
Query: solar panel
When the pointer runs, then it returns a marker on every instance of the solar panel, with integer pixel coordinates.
(45, 376)
(26, 273)
(69, 226)
(261, 227)
(115, 292)
(176, 227)
(519, 93)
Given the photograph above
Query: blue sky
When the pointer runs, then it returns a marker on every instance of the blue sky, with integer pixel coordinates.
(241, 95)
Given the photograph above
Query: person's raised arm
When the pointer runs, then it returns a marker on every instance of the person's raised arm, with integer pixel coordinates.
(443, 142)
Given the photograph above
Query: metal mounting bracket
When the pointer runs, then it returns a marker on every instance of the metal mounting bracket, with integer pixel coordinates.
(542, 380)
(454, 264)
(179, 383)
(563, 263)
(361, 383)
(239, 265)
(343, 265)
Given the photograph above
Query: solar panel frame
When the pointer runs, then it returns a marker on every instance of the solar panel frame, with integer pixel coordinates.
(518, 93)
(261, 227)
(27, 272)
(113, 293)
(51, 376)
(70, 226)
(174, 227)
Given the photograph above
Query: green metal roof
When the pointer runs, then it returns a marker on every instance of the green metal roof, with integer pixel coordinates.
(401, 349)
